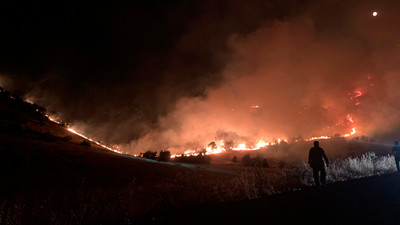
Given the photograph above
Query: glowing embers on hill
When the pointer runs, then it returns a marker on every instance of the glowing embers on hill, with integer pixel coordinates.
(114, 149)
(53, 119)
(354, 96)
(319, 138)
(350, 122)
(353, 130)
(221, 146)
(59, 122)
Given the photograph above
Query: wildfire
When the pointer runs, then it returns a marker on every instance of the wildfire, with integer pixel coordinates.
(114, 148)
(350, 118)
(220, 146)
(353, 131)
(355, 96)
(318, 138)
(262, 144)
(96, 142)
(55, 120)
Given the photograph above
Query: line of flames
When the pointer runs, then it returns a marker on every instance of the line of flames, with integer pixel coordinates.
(114, 148)
(219, 146)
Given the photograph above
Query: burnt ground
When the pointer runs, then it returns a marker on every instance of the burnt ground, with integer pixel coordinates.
(372, 200)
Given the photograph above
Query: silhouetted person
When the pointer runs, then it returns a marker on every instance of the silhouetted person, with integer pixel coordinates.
(316, 159)
(396, 153)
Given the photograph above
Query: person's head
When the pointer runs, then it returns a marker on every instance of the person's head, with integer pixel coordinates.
(396, 143)
(316, 143)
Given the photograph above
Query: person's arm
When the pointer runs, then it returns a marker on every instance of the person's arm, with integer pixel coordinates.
(325, 157)
(309, 157)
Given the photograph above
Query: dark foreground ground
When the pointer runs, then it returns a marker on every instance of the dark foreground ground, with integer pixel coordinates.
(373, 200)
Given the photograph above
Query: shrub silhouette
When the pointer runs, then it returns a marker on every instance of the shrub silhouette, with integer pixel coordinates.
(234, 159)
(203, 152)
(264, 163)
(67, 138)
(165, 156)
(150, 155)
(257, 161)
(212, 145)
(246, 160)
(85, 143)
(281, 164)
(229, 145)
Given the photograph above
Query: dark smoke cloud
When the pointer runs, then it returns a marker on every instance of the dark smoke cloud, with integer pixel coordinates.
(114, 68)
(302, 72)
(155, 75)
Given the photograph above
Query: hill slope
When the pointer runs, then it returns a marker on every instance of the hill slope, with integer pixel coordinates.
(48, 177)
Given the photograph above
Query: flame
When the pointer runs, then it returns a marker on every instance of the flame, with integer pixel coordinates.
(350, 118)
(53, 119)
(262, 144)
(357, 93)
(353, 131)
(219, 147)
(114, 148)
(355, 96)
(96, 142)
(318, 138)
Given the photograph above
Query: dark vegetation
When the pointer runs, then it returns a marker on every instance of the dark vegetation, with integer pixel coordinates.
(234, 159)
(257, 161)
(85, 143)
(352, 202)
(165, 156)
(281, 164)
(149, 155)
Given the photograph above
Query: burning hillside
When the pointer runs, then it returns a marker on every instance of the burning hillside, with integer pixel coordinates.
(252, 78)
(282, 84)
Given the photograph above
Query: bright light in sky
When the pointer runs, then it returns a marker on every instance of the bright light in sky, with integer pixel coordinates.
(375, 13)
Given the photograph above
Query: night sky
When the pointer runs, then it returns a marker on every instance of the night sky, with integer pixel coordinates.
(139, 72)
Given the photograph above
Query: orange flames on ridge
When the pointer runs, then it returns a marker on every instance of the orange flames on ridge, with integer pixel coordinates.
(220, 146)
(113, 148)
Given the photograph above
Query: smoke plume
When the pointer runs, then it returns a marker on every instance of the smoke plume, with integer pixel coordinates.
(293, 78)
(180, 75)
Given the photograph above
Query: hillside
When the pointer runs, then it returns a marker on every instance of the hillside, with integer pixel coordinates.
(49, 177)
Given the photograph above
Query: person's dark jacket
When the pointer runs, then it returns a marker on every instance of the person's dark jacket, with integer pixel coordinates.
(316, 157)
(396, 151)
